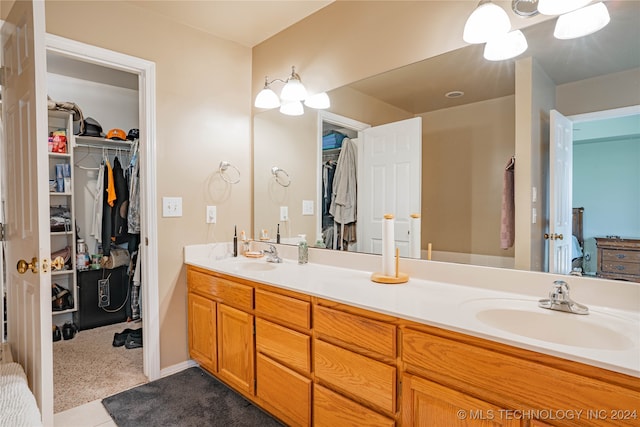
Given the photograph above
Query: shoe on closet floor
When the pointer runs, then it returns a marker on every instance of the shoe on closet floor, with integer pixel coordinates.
(119, 339)
(134, 339)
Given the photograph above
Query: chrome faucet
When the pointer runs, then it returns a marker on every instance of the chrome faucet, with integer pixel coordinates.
(559, 300)
(272, 254)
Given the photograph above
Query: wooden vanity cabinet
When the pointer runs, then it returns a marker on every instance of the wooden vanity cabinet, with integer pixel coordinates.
(221, 327)
(354, 367)
(495, 381)
(283, 355)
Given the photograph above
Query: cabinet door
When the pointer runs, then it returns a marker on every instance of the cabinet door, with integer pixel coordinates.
(284, 392)
(235, 347)
(202, 332)
(425, 403)
(331, 409)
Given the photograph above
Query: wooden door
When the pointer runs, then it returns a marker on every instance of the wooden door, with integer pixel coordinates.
(560, 189)
(389, 181)
(236, 347)
(27, 205)
(425, 403)
(203, 345)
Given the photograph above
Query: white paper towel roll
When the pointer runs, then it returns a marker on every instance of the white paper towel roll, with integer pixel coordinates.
(414, 235)
(388, 243)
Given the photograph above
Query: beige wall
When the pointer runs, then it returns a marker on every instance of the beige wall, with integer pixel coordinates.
(203, 116)
(464, 152)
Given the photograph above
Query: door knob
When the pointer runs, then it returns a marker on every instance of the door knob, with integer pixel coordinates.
(58, 263)
(23, 266)
(553, 236)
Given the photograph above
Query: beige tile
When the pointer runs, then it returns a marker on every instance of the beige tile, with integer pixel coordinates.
(91, 414)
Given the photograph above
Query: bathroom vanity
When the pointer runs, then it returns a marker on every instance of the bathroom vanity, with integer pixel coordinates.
(322, 345)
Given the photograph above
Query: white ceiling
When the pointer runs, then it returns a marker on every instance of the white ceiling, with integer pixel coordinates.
(242, 21)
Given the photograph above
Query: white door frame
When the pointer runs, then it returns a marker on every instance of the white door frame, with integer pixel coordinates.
(335, 119)
(149, 232)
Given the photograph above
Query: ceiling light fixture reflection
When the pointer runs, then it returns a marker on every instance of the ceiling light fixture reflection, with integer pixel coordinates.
(505, 47)
(487, 21)
(290, 97)
(582, 22)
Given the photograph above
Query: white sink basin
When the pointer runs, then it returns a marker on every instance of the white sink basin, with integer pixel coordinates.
(596, 330)
(255, 266)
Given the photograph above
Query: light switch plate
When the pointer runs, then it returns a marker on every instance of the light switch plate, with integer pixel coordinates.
(211, 215)
(307, 207)
(284, 213)
(171, 206)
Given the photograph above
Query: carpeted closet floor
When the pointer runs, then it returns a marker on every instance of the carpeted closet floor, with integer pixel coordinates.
(88, 367)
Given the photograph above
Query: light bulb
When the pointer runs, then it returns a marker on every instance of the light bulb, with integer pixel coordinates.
(294, 90)
(267, 99)
(582, 22)
(292, 108)
(505, 47)
(486, 22)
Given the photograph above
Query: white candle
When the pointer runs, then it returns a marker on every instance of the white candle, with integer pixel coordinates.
(414, 235)
(388, 243)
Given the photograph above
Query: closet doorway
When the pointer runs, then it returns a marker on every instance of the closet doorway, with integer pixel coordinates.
(118, 91)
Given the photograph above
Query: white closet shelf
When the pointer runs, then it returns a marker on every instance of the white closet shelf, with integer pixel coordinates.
(97, 142)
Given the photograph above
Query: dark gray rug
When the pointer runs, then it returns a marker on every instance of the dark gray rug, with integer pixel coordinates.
(189, 398)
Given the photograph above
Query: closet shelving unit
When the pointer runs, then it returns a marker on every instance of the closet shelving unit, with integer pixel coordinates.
(61, 239)
(97, 142)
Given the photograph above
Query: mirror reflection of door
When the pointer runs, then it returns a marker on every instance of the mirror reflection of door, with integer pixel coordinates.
(604, 185)
(390, 183)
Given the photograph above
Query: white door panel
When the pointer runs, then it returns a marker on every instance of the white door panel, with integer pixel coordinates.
(389, 182)
(560, 193)
(27, 197)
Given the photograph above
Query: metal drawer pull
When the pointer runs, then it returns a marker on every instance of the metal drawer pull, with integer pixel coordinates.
(621, 256)
(620, 267)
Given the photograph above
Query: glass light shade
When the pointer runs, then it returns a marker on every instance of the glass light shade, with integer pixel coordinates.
(267, 99)
(558, 7)
(486, 22)
(292, 108)
(505, 47)
(293, 91)
(318, 101)
(582, 22)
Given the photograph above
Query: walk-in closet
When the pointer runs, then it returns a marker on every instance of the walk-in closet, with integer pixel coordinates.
(95, 205)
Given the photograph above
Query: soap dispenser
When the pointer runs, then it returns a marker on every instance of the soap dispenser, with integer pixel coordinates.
(303, 250)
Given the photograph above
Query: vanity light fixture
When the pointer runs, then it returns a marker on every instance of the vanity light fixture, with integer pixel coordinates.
(291, 96)
(487, 21)
(504, 47)
(582, 22)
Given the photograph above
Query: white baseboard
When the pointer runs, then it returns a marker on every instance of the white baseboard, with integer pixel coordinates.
(178, 367)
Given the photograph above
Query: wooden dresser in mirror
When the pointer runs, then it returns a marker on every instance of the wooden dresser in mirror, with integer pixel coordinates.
(618, 258)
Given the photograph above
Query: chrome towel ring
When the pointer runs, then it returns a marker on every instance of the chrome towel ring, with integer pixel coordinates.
(281, 176)
(224, 165)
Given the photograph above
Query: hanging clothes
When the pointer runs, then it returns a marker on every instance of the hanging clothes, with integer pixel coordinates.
(106, 210)
(96, 227)
(344, 196)
(120, 207)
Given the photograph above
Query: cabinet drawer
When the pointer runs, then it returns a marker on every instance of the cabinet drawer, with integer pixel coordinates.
(367, 334)
(620, 267)
(283, 309)
(620, 256)
(284, 345)
(330, 409)
(361, 377)
(508, 380)
(284, 393)
(222, 290)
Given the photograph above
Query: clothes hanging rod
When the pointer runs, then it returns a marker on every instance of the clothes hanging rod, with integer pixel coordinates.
(104, 147)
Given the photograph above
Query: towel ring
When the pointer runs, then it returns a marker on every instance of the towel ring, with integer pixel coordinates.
(224, 165)
(278, 173)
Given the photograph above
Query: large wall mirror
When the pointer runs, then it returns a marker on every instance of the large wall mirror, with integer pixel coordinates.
(467, 141)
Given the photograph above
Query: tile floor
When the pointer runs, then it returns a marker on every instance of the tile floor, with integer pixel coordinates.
(90, 414)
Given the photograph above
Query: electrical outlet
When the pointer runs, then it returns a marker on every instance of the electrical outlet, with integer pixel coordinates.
(211, 215)
(171, 206)
(284, 213)
(307, 207)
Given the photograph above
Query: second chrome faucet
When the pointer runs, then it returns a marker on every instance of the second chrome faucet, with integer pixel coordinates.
(560, 300)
